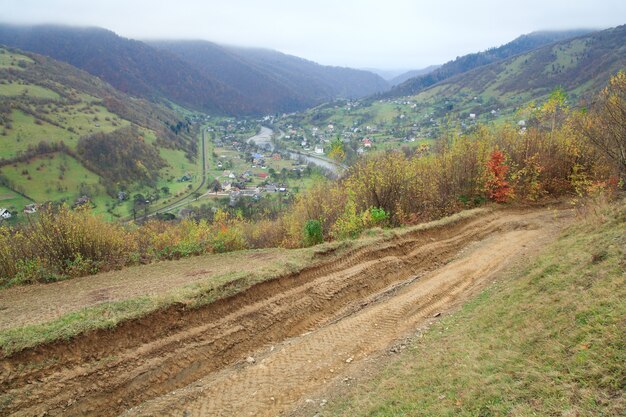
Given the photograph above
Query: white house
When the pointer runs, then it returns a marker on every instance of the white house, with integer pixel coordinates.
(5, 214)
(319, 150)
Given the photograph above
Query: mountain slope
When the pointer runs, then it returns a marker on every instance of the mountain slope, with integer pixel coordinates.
(466, 63)
(199, 75)
(130, 66)
(256, 84)
(58, 124)
(491, 93)
(280, 81)
(579, 65)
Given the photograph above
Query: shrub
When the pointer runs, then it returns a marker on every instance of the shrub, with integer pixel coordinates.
(379, 216)
(497, 186)
(60, 243)
(313, 233)
(350, 224)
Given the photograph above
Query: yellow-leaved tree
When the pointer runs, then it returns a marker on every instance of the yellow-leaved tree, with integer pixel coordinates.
(605, 124)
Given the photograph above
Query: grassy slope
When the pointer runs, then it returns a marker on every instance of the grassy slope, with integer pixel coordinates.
(43, 178)
(550, 340)
(67, 113)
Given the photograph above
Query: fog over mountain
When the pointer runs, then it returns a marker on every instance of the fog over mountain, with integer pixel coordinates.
(395, 34)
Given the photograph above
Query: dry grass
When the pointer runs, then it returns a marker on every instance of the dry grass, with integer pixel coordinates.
(38, 314)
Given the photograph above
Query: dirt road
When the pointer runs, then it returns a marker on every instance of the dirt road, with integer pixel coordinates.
(263, 351)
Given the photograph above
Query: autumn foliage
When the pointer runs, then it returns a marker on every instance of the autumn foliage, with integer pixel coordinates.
(561, 152)
(497, 186)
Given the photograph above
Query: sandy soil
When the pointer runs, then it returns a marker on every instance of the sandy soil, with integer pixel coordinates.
(20, 306)
(265, 351)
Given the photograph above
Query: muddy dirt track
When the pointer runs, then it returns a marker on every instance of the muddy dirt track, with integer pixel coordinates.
(263, 351)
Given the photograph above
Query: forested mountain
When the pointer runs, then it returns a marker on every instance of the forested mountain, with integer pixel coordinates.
(130, 66)
(198, 75)
(466, 63)
(495, 93)
(282, 81)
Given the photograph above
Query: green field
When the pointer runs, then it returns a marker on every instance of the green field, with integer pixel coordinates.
(12, 60)
(11, 200)
(52, 103)
(567, 56)
(51, 178)
(31, 90)
(26, 132)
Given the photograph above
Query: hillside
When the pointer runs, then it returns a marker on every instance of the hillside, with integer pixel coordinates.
(57, 124)
(547, 339)
(284, 82)
(322, 310)
(199, 75)
(490, 93)
(579, 66)
(466, 63)
(128, 65)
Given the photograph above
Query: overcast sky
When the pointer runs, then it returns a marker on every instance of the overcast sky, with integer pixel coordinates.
(386, 34)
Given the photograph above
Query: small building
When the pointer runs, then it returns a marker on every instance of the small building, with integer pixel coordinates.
(5, 214)
(31, 209)
(367, 143)
(472, 116)
(319, 150)
(122, 196)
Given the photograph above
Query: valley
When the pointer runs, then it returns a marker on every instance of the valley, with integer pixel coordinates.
(197, 228)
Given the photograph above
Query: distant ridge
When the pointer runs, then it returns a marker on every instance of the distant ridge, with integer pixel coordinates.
(578, 65)
(284, 82)
(469, 62)
(198, 75)
(412, 74)
(130, 66)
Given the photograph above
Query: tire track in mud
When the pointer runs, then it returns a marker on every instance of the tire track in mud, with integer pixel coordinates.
(192, 352)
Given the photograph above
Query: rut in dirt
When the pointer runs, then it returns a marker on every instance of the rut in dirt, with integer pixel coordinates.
(192, 352)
